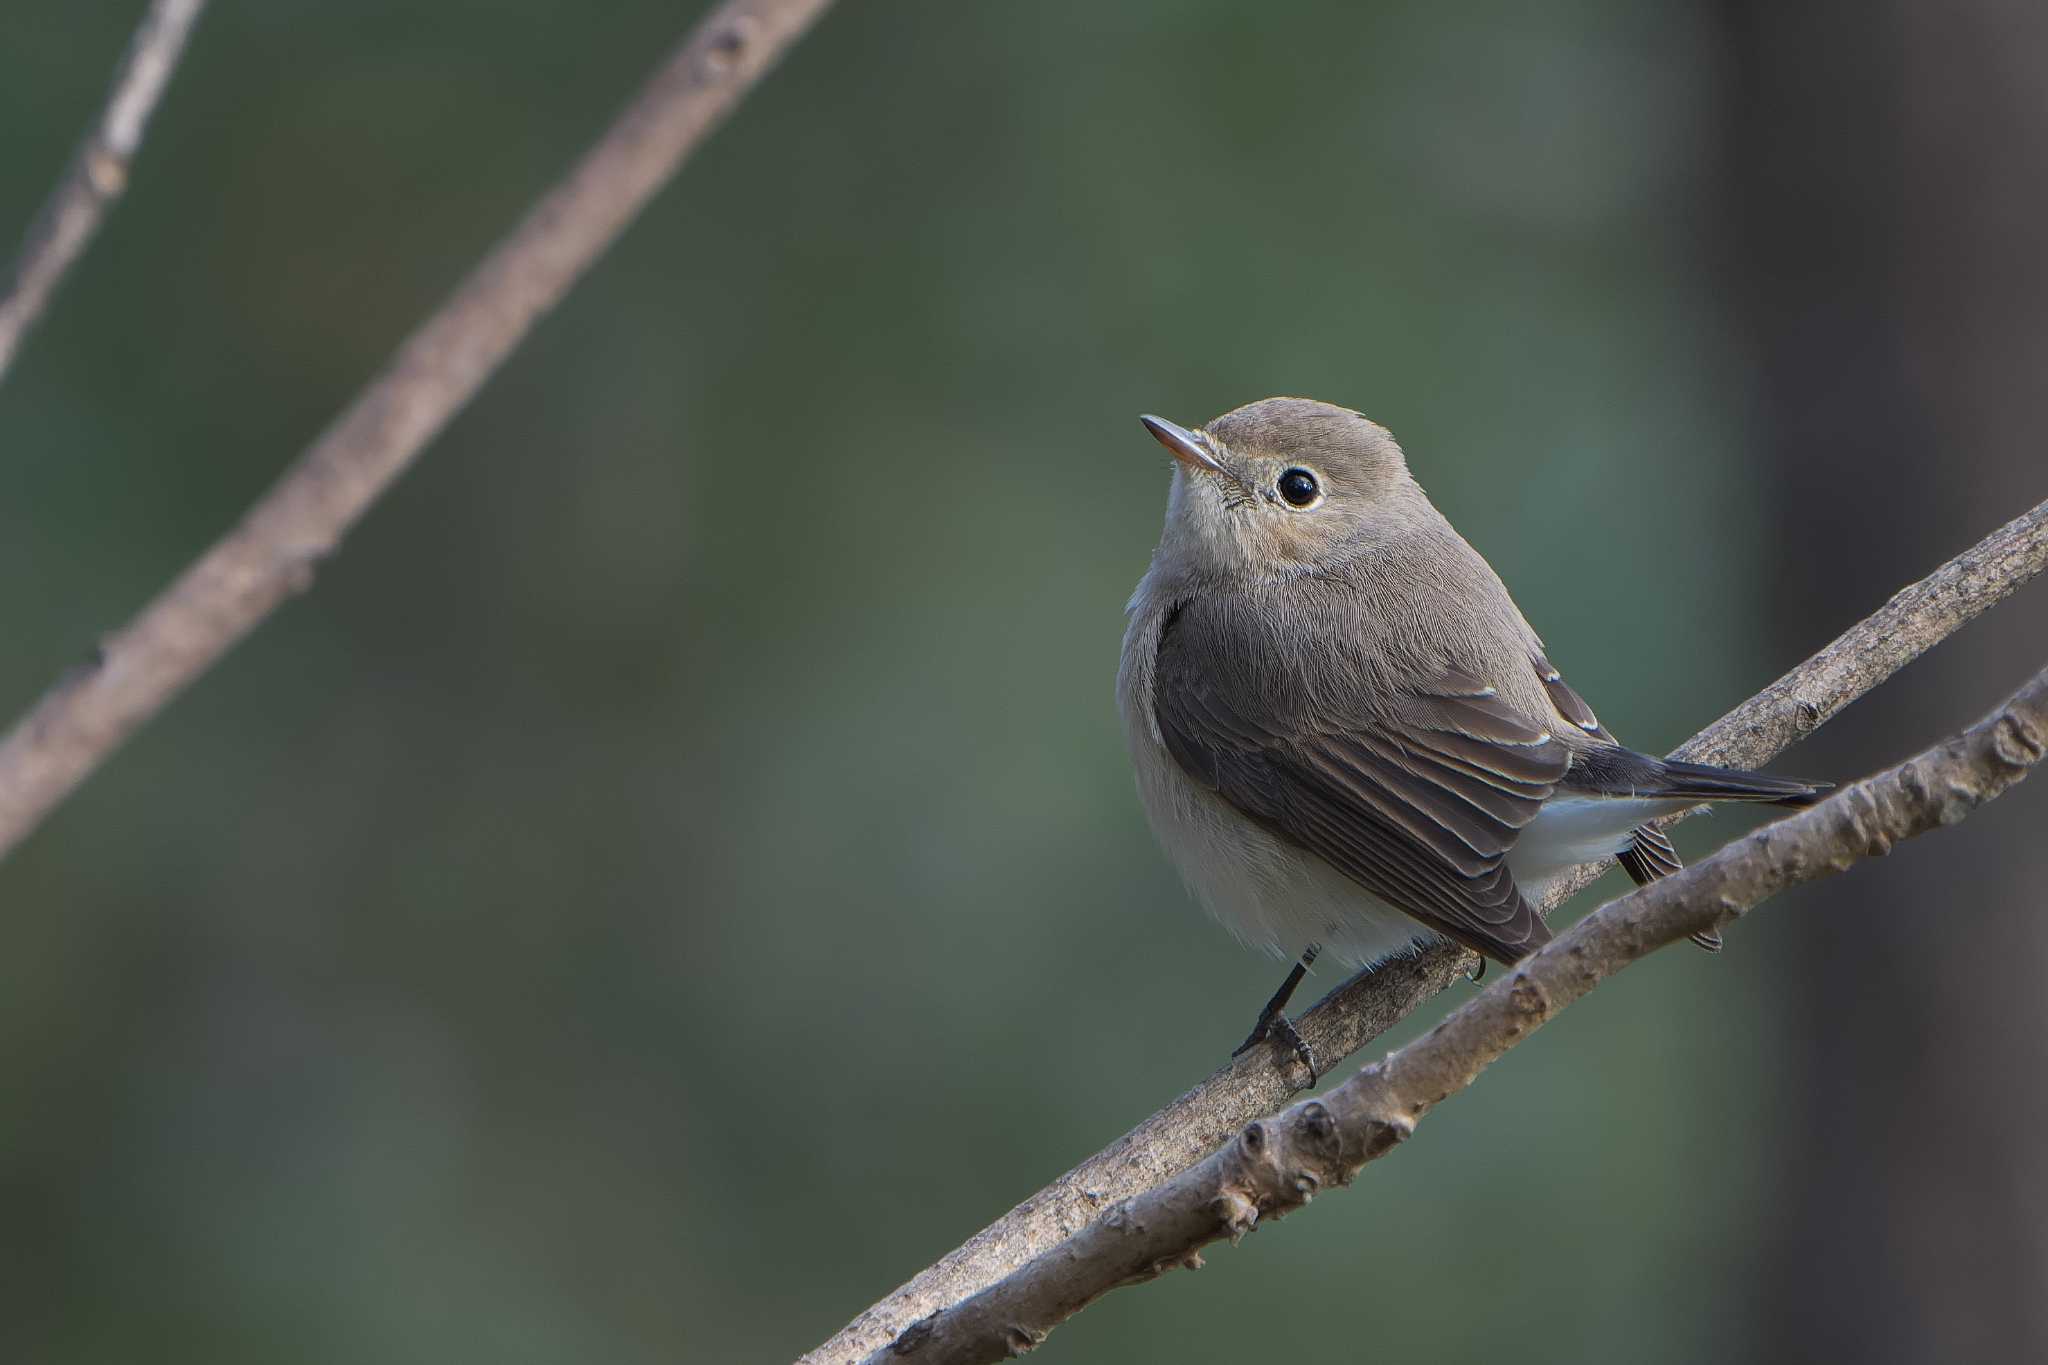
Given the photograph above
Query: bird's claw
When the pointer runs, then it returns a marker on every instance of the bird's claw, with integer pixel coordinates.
(1276, 1027)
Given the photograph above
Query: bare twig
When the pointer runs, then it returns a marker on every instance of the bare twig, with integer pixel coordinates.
(98, 171)
(1919, 617)
(1275, 1166)
(272, 553)
(1368, 1004)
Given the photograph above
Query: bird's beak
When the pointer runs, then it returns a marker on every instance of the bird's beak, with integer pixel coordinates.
(1190, 449)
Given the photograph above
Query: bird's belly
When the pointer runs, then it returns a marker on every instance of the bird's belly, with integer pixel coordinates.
(1267, 892)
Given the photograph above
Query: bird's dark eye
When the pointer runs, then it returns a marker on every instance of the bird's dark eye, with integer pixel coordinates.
(1298, 486)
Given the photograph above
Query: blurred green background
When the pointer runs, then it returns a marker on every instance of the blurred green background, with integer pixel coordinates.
(677, 873)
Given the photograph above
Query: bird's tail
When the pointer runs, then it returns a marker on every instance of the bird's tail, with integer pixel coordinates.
(1649, 855)
(1703, 782)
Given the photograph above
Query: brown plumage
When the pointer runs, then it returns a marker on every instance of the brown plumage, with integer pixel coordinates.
(1340, 718)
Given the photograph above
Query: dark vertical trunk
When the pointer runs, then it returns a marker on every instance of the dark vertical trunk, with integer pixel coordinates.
(1886, 179)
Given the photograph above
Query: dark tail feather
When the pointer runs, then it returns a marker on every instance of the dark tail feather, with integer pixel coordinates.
(1614, 771)
(1649, 855)
(1702, 782)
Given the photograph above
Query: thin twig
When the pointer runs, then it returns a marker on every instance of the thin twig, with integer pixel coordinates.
(1275, 1166)
(1364, 1007)
(272, 553)
(98, 171)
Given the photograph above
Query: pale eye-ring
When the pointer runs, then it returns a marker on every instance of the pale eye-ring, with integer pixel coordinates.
(1299, 487)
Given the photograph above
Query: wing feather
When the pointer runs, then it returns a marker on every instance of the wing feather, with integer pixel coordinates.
(1649, 854)
(1568, 702)
(1417, 798)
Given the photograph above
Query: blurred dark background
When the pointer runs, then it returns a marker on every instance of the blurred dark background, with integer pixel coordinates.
(677, 873)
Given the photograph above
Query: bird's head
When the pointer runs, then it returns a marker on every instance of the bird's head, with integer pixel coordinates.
(1281, 487)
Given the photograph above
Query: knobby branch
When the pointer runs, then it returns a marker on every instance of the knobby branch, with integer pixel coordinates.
(1916, 618)
(1275, 1166)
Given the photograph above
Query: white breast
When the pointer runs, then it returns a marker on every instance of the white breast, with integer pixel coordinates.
(1270, 894)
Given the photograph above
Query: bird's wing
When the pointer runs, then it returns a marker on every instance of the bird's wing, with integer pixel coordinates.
(1417, 799)
(1608, 768)
(1615, 771)
(1570, 705)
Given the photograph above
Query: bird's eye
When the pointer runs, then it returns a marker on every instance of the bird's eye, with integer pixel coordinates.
(1299, 487)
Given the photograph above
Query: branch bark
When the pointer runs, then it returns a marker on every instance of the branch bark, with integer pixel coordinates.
(1366, 1006)
(1277, 1165)
(98, 171)
(272, 554)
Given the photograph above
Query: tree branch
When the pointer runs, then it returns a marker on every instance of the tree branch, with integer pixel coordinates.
(98, 171)
(246, 574)
(1275, 1166)
(1364, 1007)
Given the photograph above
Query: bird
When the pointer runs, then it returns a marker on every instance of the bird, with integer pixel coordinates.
(1345, 734)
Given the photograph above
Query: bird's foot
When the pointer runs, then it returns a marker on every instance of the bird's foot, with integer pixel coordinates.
(1274, 1026)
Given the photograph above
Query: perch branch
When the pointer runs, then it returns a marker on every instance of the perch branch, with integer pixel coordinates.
(1274, 1166)
(98, 171)
(246, 574)
(1364, 1007)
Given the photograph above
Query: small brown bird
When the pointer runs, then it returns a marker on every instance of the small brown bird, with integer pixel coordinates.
(1346, 736)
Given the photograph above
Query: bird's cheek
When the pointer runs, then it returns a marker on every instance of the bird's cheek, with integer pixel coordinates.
(1291, 540)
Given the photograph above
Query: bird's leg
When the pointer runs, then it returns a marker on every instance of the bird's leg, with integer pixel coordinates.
(1274, 1023)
